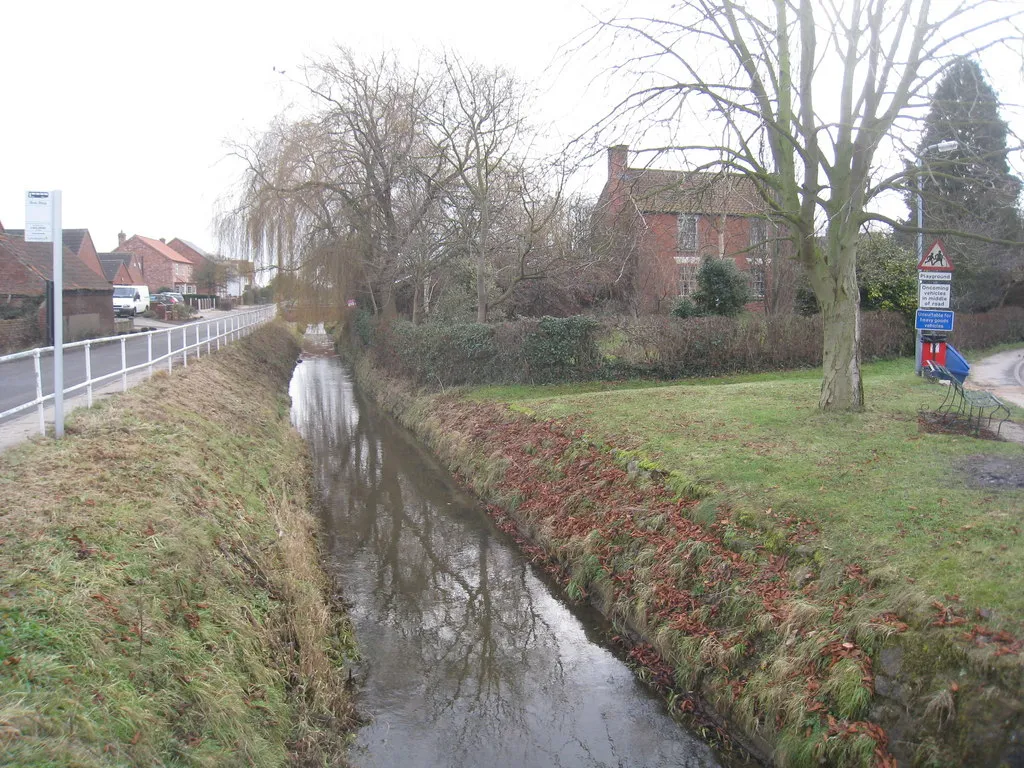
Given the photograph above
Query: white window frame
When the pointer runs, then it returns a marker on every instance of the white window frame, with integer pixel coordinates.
(688, 266)
(687, 232)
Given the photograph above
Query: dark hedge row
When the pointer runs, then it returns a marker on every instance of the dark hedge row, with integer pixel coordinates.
(583, 348)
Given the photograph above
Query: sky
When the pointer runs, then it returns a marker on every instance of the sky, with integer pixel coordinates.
(129, 107)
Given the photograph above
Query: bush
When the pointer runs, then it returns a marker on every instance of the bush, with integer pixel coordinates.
(685, 308)
(1000, 326)
(566, 349)
(721, 288)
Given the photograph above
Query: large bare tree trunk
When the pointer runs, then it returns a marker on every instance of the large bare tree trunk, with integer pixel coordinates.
(841, 385)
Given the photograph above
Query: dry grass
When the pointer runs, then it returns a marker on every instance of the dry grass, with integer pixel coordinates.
(160, 596)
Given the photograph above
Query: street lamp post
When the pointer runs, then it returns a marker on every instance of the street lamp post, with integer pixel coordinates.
(943, 147)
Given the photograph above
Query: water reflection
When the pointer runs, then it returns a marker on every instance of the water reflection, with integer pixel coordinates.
(469, 659)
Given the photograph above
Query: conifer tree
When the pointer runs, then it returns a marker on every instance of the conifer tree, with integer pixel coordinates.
(970, 195)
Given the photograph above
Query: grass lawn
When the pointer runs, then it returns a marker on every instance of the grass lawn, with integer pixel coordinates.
(881, 491)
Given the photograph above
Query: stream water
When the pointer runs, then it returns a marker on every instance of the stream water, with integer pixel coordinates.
(469, 658)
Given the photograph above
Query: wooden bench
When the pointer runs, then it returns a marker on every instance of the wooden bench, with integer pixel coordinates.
(971, 407)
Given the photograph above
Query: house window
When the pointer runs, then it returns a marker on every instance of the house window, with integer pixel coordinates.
(756, 267)
(758, 239)
(688, 266)
(757, 256)
(687, 233)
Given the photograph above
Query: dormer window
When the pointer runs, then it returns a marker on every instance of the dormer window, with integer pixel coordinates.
(687, 233)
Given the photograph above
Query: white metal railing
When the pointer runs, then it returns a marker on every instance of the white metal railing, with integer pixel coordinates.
(192, 337)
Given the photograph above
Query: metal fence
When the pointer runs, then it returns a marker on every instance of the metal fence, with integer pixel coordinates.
(164, 346)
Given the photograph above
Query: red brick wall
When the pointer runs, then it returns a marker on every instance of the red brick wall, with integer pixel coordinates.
(87, 254)
(660, 273)
(157, 269)
(18, 334)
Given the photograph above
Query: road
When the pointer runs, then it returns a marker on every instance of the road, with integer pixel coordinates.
(18, 378)
(1002, 375)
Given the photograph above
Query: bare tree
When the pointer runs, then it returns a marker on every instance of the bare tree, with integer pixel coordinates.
(799, 95)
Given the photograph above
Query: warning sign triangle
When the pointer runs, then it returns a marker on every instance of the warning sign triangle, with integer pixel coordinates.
(935, 259)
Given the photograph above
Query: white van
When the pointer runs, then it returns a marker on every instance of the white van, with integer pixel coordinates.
(130, 300)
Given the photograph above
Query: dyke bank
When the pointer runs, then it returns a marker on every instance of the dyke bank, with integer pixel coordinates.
(161, 596)
(809, 660)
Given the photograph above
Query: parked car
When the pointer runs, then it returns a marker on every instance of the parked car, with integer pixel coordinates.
(130, 300)
(178, 298)
(161, 298)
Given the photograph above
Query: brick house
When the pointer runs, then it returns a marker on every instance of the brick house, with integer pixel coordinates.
(118, 269)
(79, 242)
(24, 270)
(204, 265)
(159, 264)
(672, 220)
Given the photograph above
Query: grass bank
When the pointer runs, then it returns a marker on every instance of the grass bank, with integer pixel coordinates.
(831, 584)
(161, 600)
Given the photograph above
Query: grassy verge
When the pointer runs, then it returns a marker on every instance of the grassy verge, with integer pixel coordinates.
(830, 584)
(161, 600)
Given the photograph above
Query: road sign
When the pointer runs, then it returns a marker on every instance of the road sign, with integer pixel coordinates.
(935, 277)
(934, 320)
(38, 217)
(933, 295)
(935, 259)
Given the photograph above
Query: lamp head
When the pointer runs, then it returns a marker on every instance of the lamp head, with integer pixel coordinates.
(947, 146)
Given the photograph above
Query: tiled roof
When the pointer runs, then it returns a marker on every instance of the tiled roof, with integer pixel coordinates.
(657, 191)
(163, 249)
(72, 238)
(25, 266)
(191, 245)
(113, 262)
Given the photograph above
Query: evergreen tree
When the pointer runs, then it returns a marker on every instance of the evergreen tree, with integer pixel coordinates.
(721, 288)
(970, 191)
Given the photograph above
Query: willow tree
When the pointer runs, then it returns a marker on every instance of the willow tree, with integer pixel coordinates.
(800, 95)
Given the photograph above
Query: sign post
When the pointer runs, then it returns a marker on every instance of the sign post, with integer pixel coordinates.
(43, 225)
(935, 276)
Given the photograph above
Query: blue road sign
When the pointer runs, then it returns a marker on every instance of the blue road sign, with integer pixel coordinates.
(934, 320)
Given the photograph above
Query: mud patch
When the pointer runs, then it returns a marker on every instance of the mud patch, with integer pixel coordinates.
(985, 471)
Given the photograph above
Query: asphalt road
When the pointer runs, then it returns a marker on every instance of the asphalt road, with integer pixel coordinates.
(1002, 375)
(18, 378)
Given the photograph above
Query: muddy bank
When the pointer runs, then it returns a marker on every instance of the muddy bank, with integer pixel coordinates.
(807, 660)
(161, 599)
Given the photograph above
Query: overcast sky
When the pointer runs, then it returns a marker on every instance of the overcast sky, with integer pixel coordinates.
(126, 106)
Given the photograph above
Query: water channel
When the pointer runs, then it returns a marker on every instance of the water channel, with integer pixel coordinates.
(469, 657)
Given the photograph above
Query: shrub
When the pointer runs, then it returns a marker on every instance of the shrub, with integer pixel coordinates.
(566, 349)
(721, 288)
(685, 308)
(561, 349)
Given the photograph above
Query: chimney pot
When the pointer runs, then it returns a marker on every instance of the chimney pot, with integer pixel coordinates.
(120, 239)
(163, 241)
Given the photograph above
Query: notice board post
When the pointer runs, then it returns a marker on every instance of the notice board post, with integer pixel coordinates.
(43, 225)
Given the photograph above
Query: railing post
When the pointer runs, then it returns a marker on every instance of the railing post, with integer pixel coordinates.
(207, 325)
(199, 346)
(170, 353)
(88, 373)
(218, 335)
(124, 366)
(184, 347)
(149, 352)
(39, 393)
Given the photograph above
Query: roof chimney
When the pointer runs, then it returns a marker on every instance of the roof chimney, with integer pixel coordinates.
(163, 241)
(618, 156)
(120, 239)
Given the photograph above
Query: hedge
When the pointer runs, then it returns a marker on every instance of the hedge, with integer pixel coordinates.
(580, 348)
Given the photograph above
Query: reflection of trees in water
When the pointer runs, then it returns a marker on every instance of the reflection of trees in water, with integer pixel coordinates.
(462, 602)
